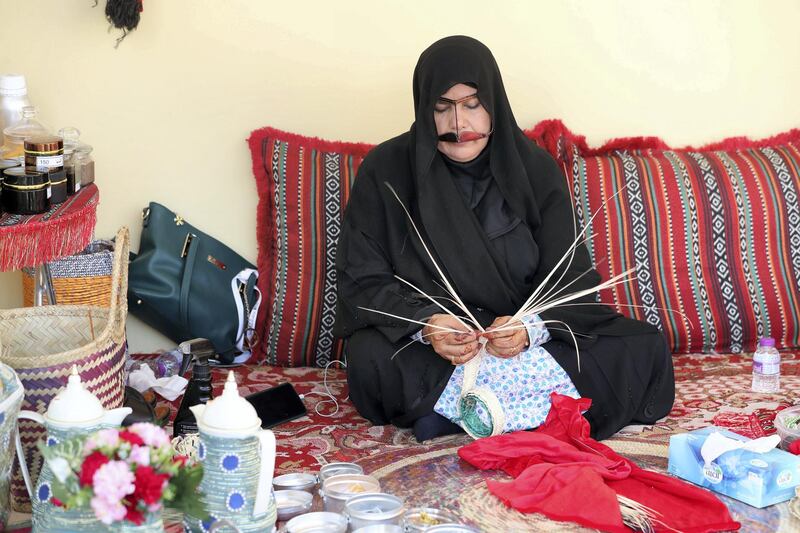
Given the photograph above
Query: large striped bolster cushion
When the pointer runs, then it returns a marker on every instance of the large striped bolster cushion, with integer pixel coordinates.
(713, 233)
(303, 185)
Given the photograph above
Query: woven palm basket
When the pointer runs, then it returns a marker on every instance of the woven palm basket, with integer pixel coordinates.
(80, 279)
(43, 343)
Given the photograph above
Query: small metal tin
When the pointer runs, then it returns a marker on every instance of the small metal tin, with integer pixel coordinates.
(334, 469)
(380, 528)
(43, 153)
(372, 509)
(295, 481)
(451, 528)
(291, 503)
(424, 518)
(317, 523)
(336, 490)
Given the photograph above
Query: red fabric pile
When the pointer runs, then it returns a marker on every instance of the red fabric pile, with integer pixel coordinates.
(566, 475)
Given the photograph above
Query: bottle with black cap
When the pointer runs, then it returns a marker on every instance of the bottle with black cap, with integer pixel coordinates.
(196, 352)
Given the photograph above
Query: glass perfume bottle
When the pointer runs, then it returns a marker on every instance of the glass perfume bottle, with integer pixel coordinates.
(15, 135)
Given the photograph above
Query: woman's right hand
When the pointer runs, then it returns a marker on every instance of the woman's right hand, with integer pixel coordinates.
(458, 348)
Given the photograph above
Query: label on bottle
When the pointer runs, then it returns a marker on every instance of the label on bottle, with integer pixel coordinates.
(766, 363)
(46, 162)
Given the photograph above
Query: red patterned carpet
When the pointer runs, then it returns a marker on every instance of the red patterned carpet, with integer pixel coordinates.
(710, 389)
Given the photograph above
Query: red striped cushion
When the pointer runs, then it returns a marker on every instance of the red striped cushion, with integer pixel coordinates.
(303, 185)
(714, 233)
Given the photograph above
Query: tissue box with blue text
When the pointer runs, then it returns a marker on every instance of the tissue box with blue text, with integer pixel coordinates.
(758, 479)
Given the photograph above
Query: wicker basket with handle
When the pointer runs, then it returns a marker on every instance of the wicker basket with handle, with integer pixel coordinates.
(42, 344)
(80, 279)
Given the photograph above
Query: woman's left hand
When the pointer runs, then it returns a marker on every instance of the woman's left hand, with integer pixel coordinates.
(507, 342)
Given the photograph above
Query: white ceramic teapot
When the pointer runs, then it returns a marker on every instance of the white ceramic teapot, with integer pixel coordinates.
(238, 460)
(74, 411)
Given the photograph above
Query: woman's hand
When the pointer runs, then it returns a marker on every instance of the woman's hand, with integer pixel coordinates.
(458, 348)
(508, 342)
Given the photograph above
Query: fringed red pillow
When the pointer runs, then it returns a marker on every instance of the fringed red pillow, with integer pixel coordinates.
(714, 233)
(303, 185)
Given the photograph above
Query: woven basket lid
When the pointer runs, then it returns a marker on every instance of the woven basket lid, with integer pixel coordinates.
(229, 414)
(74, 405)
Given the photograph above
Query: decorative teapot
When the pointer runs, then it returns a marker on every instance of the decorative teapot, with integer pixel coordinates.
(74, 411)
(238, 461)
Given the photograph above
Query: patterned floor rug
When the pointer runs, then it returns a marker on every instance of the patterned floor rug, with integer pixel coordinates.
(710, 389)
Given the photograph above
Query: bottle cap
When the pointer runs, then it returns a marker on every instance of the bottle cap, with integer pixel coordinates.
(766, 341)
(74, 405)
(12, 85)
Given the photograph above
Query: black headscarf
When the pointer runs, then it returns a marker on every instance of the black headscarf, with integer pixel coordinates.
(528, 178)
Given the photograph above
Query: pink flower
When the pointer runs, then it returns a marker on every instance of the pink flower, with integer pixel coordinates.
(111, 483)
(108, 511)
(105, 438)
(114, 480)
(140, 455)
(151, 435)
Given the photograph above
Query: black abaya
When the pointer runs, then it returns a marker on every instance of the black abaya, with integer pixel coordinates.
(629, 379)
(496, 239)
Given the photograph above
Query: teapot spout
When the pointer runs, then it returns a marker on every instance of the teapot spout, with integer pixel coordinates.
(114, 417)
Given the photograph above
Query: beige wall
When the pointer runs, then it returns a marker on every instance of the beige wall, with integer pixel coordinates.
(168, 112)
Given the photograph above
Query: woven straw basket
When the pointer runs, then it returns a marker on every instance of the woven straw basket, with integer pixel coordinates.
(80, 279)
(42, 344)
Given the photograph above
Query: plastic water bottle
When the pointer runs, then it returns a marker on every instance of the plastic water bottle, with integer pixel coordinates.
(13, 97)
(766, 366)
(165, 365)
(168, 364)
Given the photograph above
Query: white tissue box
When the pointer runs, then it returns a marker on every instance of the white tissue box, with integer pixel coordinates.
(757, 479)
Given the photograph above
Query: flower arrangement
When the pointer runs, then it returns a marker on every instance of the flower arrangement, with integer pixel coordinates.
(124, 475)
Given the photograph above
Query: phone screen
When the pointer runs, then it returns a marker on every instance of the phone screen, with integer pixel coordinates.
(277, 405)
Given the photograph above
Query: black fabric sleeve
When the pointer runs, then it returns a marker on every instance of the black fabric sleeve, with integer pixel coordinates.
(365, 273)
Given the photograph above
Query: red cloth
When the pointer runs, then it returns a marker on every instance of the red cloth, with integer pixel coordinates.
(566, 475)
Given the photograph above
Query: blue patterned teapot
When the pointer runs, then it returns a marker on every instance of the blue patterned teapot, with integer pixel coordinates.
(74, 411)
(238, 460)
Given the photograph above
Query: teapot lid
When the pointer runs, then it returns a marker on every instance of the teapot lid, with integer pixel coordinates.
(74, 405)
(229, 413)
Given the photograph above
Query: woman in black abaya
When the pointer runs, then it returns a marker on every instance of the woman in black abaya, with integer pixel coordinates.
(494, 211)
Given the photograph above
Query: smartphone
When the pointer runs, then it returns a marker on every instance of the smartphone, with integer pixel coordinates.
(277, 405)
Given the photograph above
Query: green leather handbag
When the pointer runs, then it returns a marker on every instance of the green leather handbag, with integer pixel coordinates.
(186, 284)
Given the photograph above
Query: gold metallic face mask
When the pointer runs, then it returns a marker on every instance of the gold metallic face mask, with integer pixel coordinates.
(461, 136)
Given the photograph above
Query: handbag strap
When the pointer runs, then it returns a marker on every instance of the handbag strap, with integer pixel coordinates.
(189, 253)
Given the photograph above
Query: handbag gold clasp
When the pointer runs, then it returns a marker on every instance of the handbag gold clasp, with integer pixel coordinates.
(186, 242)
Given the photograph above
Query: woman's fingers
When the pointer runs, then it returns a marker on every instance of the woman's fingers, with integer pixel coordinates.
(509, 346)
(462, 355)
(457, 353)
